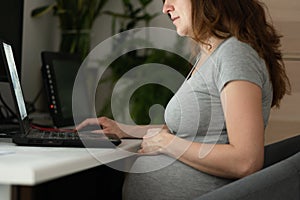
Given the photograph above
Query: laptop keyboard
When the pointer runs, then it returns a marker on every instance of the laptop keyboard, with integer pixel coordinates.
(53, 135)
(67, 138)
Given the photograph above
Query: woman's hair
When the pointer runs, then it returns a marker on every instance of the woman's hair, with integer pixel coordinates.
(245, 20)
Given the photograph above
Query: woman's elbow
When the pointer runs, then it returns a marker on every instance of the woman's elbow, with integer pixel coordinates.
(249, 167)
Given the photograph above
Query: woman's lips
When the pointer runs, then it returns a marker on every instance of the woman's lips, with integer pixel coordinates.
(174, 19)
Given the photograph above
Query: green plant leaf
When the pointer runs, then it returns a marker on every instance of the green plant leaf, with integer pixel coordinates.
(42, 10)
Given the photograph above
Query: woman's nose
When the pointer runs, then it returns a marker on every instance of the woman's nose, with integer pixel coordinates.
(167, 7)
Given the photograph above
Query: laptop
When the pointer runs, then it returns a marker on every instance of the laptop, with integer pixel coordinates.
(31, 135)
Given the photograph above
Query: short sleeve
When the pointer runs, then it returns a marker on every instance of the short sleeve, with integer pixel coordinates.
(239, 62)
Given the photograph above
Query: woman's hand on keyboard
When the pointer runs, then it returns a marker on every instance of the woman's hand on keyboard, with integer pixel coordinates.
(105, 125)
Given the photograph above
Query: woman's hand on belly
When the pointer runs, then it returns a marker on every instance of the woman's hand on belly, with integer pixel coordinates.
(155, 141)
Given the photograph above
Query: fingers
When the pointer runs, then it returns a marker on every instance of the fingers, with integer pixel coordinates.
(98, 132)
(88, 122)
(149, 148)
(109, 126)
(105, 122)
(155, 141)
(149, 151)
(83, 124)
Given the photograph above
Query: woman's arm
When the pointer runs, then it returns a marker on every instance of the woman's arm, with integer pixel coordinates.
(242, 104)
(121, 130)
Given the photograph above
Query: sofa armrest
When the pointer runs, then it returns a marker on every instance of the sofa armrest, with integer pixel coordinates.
(277, 182)
(278, 151)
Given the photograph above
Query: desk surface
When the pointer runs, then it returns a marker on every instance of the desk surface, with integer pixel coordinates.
(33, 165)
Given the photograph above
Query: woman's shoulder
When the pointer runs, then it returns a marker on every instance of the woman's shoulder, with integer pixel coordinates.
(232, 47)
(237, 60)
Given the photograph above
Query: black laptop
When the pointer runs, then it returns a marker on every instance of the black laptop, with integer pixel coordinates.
(30, 135)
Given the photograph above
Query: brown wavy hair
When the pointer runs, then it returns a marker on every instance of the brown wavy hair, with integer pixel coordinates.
(245, 20)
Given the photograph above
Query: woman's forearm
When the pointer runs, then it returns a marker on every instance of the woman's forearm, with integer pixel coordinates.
(224, 160)
(139, 131)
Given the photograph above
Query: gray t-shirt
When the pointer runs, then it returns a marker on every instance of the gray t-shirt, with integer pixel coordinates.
(196, 110)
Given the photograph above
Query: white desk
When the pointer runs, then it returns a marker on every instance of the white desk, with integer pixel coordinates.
(33, 165)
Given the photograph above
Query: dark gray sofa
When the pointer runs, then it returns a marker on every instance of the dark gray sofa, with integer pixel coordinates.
(278, 180)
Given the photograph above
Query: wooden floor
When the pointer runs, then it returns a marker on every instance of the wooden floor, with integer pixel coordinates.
(279, 130)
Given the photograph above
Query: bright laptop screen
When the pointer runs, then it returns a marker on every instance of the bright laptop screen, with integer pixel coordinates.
(15, 80)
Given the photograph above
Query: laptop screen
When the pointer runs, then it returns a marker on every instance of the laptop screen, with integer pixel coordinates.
(15, 80)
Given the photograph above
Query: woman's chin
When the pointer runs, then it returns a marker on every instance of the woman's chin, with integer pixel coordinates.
(181, 33)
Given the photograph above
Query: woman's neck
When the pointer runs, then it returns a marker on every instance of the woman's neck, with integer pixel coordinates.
(211, 45)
